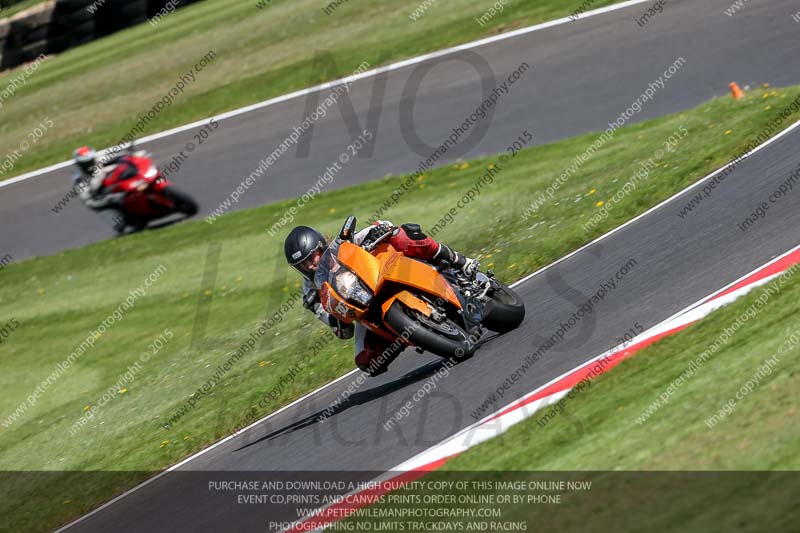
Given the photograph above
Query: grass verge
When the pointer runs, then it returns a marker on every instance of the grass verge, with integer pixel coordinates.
(58, 300)
(737, 412)
(94, 94)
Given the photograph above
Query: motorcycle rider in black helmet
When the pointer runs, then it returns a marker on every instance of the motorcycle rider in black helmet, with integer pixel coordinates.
(304, 247)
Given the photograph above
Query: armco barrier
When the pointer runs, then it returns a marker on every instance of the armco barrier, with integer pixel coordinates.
(57, 25)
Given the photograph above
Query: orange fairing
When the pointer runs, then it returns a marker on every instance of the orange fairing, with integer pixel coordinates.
(360, 261)
(409, 300)
(390, 265)
(416, 274)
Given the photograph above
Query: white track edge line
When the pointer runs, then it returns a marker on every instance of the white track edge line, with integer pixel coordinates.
(664, 202)
(201, 452)
(658, 324)
(516, 283)
(642, 336)
(399, 469)
(348, 79)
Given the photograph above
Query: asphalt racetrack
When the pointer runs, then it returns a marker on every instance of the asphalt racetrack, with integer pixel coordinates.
(677, 262)
(584, 74)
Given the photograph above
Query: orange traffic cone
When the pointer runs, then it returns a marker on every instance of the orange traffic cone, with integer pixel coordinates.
(736, 91)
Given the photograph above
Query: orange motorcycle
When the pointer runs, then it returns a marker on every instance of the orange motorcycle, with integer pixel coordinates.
(400, 298)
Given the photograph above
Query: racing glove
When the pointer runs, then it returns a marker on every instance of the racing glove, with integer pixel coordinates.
(376, 232)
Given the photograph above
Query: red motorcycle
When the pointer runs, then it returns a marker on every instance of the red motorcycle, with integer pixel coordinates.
(146, 194)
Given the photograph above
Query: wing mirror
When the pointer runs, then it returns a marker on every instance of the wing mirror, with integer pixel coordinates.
(348, 229)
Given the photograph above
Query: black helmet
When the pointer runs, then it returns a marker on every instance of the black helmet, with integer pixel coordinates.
(301, 242)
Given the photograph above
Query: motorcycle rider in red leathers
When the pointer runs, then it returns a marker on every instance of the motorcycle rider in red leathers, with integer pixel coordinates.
(304, 247)
(90, 174)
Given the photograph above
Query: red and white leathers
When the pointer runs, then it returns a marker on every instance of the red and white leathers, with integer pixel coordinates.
(409, 240)
(91, 185)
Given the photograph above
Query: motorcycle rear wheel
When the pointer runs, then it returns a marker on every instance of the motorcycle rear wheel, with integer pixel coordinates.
(505, 311)
(446, 339)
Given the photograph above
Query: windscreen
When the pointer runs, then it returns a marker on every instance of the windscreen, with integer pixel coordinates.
(327, 264)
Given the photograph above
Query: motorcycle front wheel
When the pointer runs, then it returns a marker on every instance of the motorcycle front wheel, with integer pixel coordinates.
(183, 202)
(445, 339)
